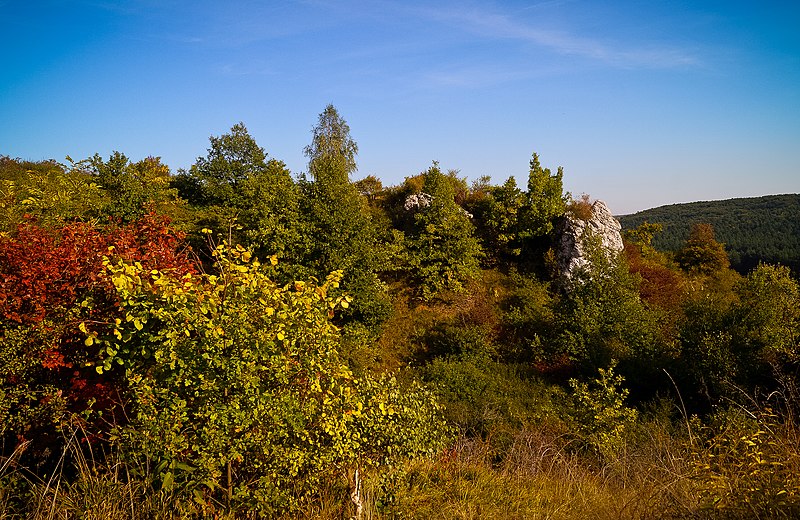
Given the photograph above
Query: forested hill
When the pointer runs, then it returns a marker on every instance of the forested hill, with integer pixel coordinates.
(753, 229)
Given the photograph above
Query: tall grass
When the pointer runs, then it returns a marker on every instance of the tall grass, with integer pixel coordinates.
(542, 477)
(744, 464)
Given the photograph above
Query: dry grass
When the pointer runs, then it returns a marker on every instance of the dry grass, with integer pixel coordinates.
(541, 478)
(538, 474)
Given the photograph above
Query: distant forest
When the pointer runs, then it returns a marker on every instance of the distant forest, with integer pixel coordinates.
(761, 229)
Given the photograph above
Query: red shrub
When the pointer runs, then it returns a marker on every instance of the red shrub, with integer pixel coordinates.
(50, 282)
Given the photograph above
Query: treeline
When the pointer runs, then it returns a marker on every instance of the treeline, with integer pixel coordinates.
(237, 340)
(760, 229)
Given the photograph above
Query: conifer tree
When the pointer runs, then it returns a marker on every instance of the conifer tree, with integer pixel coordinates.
(546, 200)
(444, 251)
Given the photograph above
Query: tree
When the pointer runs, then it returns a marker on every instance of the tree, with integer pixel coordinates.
(332, 152)
(246, 196)
(134, 189)
(642, 237)
(48, 192)
(497, 215)
(602, 318)
(765, 321)
(232, 158)
(339, 230)
(545, 200)
(443, 249)
(369, 187)
(702, 254)
(239, 391)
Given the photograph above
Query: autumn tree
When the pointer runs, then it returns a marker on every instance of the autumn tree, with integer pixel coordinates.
(241, 396)
(51, 284)
(702, 254)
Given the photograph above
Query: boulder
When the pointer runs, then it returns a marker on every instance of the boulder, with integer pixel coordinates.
(571, 235)
(418, 201)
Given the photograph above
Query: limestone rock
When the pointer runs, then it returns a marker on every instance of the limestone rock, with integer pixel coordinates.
(571, 234)
(418, 201)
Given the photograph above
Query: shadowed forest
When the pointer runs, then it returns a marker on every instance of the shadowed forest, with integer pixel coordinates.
(237, 340)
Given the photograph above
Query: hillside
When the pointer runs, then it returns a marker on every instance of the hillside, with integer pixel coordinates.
(753, 229)
(237, 341)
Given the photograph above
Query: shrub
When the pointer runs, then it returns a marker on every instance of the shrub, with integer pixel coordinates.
(240, 397)
(750, 466)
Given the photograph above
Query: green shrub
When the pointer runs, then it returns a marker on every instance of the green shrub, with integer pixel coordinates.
(750, 466)
(240, 399)
(601, 417)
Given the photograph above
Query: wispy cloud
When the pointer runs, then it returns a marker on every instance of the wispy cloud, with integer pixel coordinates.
(501, 26)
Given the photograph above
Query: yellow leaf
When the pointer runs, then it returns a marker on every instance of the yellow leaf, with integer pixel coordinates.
(82, 328)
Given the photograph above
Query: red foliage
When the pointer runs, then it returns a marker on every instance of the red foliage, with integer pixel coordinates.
(43, 271)
(661, 286)
(45, 276)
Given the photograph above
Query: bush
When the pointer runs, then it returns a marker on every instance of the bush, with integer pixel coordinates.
(750, 466)
(240, 397)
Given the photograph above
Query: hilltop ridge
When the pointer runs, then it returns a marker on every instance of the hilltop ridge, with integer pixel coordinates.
(755, 229)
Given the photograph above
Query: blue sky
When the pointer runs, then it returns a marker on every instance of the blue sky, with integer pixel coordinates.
(643, 103)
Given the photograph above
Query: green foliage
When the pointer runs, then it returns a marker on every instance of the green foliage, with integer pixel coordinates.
(528, 319)
(487, 398)
(739, 335)
(332, 152)
(48, 192)
(601, 416)
(443, 250)
(370, 187)
(759, 229)
(750, 466)
(545, 200)
(602, 317)
(244, 196)
(232, 158)
(338, 224)
(767, 317)
(133, 189)
(239, 391)
(497, 216)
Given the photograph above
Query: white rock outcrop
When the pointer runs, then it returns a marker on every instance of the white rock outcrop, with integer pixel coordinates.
(571, 235)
